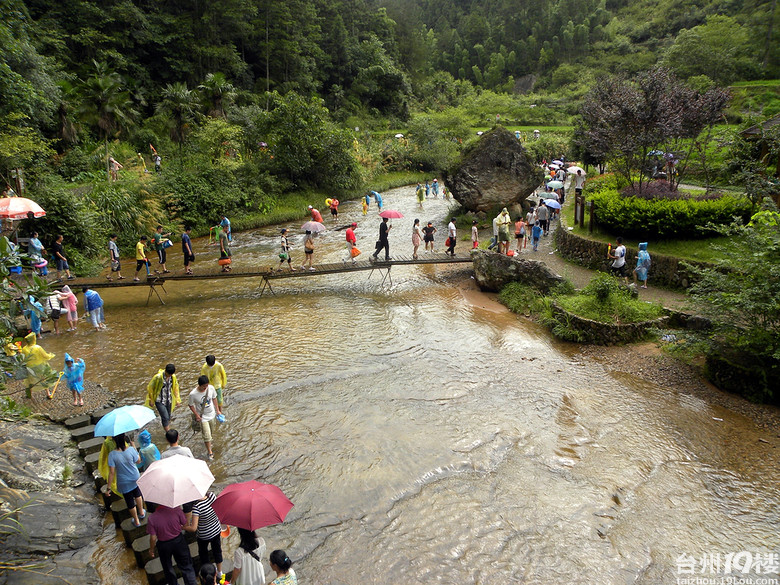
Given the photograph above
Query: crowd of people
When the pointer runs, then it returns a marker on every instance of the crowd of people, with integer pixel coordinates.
(121, 463)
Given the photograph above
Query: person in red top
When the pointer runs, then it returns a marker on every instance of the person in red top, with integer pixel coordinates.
(315, 214)
(334, 208)
(164, 529)
(351, 241)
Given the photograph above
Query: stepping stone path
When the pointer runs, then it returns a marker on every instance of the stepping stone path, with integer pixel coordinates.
(82, 429)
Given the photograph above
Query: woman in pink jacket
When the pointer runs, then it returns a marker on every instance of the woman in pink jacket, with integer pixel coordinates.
(70, 304)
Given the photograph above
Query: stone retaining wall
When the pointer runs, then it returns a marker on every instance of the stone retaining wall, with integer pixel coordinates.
(606, 333)
(665, 271)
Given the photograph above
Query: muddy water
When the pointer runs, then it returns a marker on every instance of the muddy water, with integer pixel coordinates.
(425, 435)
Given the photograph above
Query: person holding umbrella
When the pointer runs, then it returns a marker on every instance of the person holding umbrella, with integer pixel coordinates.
(122, 465)
(383, 243)
(206, 525)
(308, 248)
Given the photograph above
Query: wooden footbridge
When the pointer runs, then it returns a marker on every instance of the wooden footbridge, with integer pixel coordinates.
(153, 281)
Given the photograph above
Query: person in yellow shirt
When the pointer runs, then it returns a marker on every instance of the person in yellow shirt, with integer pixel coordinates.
(217, 377)
(140, 257)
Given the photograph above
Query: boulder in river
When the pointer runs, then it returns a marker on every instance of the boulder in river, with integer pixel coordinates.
(495, 172)
(493, 271)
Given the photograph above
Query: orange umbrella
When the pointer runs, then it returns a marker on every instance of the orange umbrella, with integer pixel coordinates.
(19, 208)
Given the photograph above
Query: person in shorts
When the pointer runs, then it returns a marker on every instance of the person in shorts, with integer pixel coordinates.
(113, 257)
(205, 408)
(428, 232)
(158, 240)
(59, 255)
(53, 309)
(520, 233)
(619, 257)
(141, 260)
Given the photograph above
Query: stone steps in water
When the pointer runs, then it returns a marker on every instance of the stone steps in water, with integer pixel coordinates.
(141, 548)
(92, 445)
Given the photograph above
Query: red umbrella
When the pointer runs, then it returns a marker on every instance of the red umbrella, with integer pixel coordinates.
(251, 505)
(391, 214)
(19, 207)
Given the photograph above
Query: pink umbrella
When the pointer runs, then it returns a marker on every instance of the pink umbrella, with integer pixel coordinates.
(314, 227)
(251, 505)
(391, 214)
(175, 480)
(19, 208)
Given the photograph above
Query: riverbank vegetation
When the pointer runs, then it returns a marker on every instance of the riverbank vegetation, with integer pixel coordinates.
(604, 300)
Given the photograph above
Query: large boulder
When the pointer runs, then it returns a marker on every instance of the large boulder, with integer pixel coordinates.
(493, 271)
(495, 172)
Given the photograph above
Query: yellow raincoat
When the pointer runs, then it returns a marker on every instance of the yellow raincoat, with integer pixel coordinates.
(217, 378)
(108, 446)
(38, 361)
(154, 387)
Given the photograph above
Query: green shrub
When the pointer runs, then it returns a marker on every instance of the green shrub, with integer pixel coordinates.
(520, 298)
(605, 300)
(661, 218)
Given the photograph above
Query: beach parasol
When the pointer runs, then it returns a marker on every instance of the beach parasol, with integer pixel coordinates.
(314, 227)
(19, 208)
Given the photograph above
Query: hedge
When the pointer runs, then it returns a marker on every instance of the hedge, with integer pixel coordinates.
(660, 217)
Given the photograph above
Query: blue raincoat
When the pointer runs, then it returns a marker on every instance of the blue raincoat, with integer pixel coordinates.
(642, 261)
(74, 373)
(35, 316)
(148, 450)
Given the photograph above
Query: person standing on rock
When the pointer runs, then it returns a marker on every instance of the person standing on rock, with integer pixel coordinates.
(165, 535)
(162, 392)
(122, 463)
(73, 372)
(504, 221)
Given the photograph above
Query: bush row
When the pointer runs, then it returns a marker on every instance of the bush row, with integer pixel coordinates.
(654, 218)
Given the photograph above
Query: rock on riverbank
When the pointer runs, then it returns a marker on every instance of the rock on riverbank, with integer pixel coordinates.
(493, 271)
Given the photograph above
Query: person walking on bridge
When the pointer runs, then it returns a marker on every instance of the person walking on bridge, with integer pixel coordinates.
(452, 236)
(384, 242)
(351, 243)
(284, 255)
(186, 248)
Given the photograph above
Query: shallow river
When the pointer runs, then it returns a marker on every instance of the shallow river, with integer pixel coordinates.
(427, 438)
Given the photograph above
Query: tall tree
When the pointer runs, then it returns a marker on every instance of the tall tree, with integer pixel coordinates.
(179, 105)
(216, 91)
(105, 103)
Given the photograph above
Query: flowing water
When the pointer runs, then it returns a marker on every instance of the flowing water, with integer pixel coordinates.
(426, 438)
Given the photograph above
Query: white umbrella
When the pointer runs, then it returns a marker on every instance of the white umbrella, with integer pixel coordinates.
(574, 168)
(554, 166)
(175, 480)
(557, 162)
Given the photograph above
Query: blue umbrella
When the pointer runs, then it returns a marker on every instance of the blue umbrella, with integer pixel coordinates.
(552, 203)
(123, 419)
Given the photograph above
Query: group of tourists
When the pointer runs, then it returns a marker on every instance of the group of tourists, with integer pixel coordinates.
(121, 464)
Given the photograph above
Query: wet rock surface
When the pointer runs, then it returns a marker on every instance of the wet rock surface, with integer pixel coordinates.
(493, 271)
(496, 172)
(45, 493)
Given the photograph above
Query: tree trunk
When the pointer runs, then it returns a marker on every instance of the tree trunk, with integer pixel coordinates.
(108, 166)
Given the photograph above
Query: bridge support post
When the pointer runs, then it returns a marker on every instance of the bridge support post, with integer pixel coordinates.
(266, 284)
(152, 289)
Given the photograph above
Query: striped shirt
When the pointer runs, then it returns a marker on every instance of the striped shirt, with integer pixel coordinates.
(208, 523)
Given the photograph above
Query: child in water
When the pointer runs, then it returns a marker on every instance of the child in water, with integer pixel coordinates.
(74, 375)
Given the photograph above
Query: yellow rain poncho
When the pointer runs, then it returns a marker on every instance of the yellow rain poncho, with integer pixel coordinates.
(108, 446)
(38, 361)
(154, 387)
(217, 378)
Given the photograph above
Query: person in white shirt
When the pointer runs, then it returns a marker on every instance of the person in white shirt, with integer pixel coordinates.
(619, 257)
(204, 407)
(452, 234)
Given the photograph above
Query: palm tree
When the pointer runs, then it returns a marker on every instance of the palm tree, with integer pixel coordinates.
(179, 105)
(105, 103)
(67, 130)
(216, 90)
